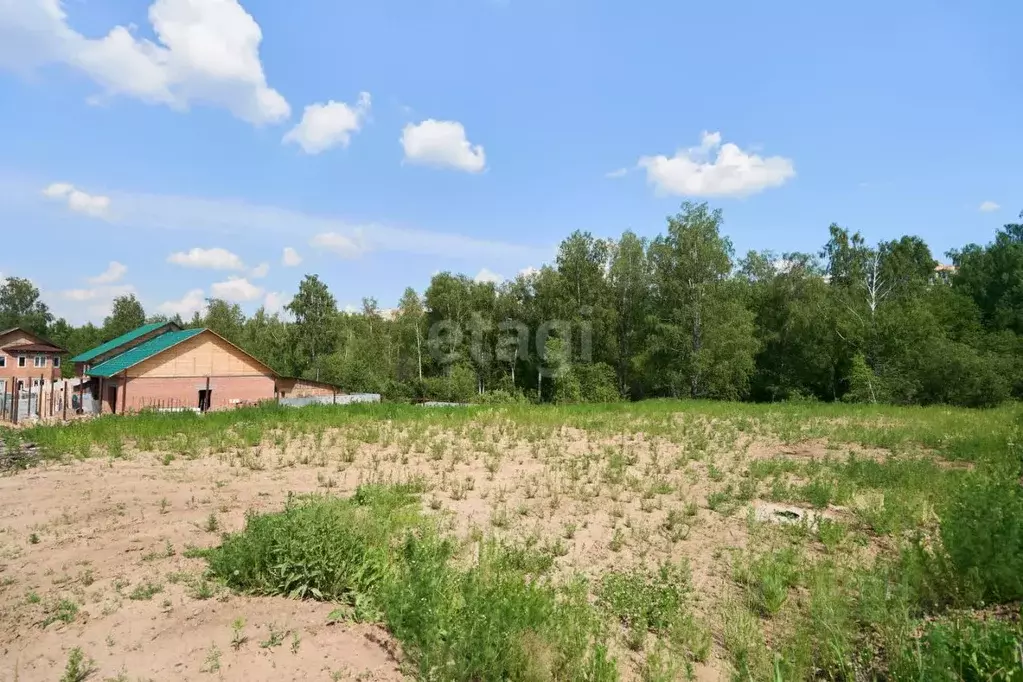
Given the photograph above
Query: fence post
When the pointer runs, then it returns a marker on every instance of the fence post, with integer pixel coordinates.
(15, 394)
(65, 400)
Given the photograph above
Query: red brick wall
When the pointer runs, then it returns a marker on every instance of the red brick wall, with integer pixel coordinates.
(228, 392)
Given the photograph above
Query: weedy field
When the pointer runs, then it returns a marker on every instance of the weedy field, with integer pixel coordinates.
(649, 541)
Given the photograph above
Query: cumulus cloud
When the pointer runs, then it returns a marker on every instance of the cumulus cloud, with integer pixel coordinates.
(326, 125)
(442, 144)
(290, 257)
(988, 207)
(487, 275)
(260, 271)
(236, 290)
(114, 272)
(715, 170)
(344, 245)
(94, 303)
(205, 51)
(194, 301)
(274, 302)
(208, 259)
(94, 205)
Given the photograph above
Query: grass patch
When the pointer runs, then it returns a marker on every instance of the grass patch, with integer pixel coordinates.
(375, 553)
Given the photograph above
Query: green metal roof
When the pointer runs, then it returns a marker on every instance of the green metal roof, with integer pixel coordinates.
(142, 352)
(119, 341)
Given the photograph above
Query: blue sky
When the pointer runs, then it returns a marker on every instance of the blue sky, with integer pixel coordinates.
(173, 137)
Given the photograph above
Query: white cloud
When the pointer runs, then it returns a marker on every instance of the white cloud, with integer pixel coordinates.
(93, 303)
(260, 271)
(209, 259)
(205, 51)
(194, 301)
(114, 272)
(441, 143)
(326, 125)
(486, 275)
(78, 201)
(274, 302)
(236, 290)
(988, 207)
(529, 271)
(619, 173)
(290, 258)
(344, 245)
(732, 172)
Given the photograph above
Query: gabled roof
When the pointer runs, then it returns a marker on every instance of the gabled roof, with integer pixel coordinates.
(33, 348)
(142, 352)
(121, 340)
(43, 341)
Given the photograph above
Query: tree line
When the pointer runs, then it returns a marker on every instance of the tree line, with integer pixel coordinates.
(630, 318)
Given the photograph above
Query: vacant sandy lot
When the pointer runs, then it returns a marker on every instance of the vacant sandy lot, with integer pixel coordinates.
(93, 553)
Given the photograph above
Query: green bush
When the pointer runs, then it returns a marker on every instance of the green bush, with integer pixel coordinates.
(966, 649)
(982, 535)
(375, 552)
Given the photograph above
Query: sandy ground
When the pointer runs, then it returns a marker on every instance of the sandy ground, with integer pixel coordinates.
(109, 536)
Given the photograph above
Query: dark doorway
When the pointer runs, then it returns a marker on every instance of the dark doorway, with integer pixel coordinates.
(205, 397)
(112, 399)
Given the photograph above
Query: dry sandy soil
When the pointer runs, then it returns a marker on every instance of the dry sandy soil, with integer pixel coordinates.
(109, 537)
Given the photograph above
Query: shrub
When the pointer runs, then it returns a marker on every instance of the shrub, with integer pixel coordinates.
(982, 535)
(492, 620)
(961, 648)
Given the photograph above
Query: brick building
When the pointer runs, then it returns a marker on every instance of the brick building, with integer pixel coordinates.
(26, 360)
(161, 366)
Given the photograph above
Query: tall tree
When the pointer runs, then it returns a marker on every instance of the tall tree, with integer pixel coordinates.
(410, 321)
(629, 284)
(315, 311)
(126, 314)
(224, 318)
(21, 306)
(702, 342)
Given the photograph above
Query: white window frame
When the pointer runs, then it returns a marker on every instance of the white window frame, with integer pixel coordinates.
(39, 361)
(22, 361)
(3, 386)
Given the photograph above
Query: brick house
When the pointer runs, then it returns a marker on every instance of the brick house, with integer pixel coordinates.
(161, 366)
(26, 359)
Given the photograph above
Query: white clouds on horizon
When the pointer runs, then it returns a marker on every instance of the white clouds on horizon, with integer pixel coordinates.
(114, 272)
(236, 290)
(94, 205)
(442, 144)
(194, 301)
(715, 170)
(205, 51)
(326, 125)
(487, 275)
(988, 207)
(209, 259)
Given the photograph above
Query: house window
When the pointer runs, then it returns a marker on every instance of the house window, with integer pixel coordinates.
(3, 360)
(35, 383)
(21, 361)
(56, 361)
(39, 361)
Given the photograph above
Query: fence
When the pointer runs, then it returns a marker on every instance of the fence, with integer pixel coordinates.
(341, 399)
(34, 402)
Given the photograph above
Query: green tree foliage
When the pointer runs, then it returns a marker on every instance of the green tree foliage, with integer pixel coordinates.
(21, 306)
(315, 311)
(126, 313)
(673, 315)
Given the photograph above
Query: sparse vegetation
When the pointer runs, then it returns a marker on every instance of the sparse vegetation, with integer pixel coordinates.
(824, 541)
